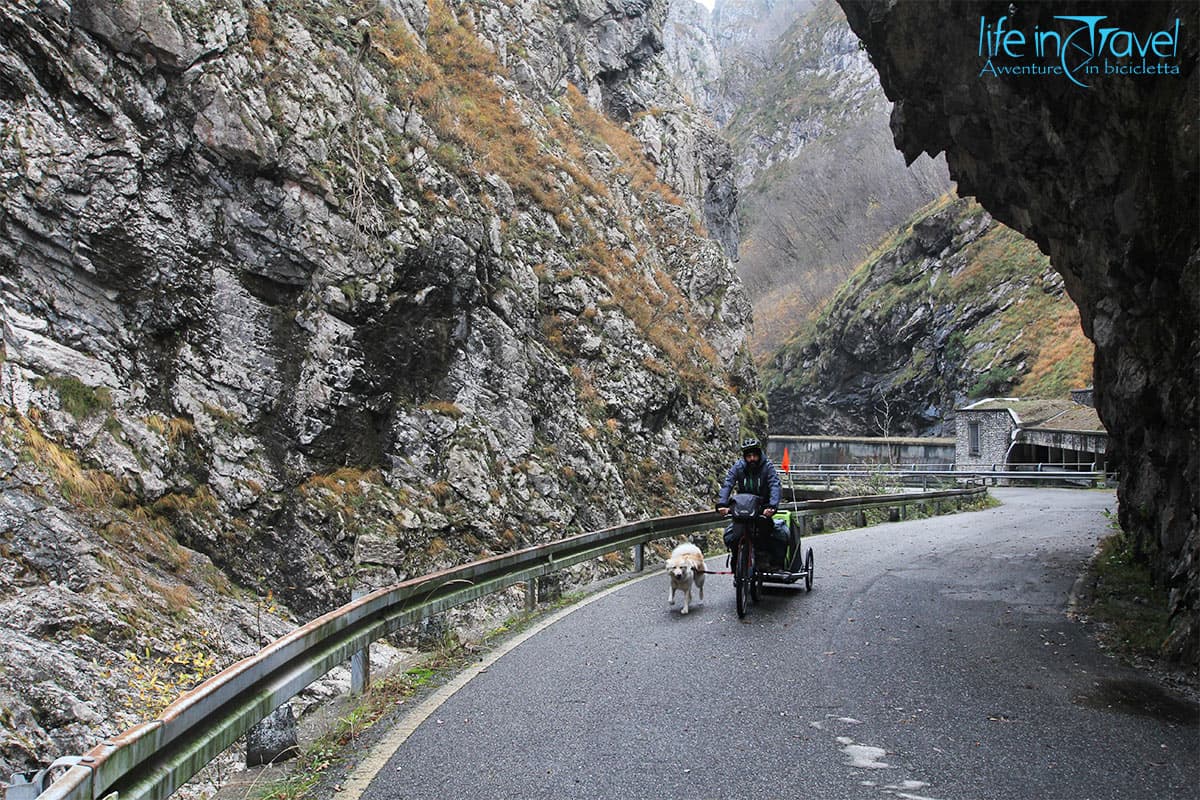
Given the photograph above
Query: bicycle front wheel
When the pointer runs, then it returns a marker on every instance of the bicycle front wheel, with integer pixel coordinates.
(743, 577)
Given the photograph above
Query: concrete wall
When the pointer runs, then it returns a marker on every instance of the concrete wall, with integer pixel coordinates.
(861, 450)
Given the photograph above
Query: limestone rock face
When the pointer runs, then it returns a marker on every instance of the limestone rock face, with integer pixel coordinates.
(303, 295)
(1104, 179)
(615, 49)
(690, 51)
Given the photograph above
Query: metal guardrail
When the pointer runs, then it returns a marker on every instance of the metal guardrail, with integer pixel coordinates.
(949, 467)
(920, 474)
(153, 759)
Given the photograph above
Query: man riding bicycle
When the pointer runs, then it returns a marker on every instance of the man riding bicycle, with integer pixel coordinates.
(753, 474)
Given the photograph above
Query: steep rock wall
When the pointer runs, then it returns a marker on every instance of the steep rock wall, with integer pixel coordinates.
(1104, 179)
(300, 295)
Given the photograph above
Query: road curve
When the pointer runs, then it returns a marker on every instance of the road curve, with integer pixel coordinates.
(933, 659)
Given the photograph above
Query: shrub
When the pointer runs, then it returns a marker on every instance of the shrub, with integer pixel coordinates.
(158, 679)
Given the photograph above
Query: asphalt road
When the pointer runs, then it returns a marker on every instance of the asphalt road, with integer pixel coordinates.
(933, 659)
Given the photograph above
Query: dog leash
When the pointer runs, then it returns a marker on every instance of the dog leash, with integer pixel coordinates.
(716, 572)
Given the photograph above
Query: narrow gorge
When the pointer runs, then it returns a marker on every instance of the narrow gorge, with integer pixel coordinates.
(299, 299)
(956, 307)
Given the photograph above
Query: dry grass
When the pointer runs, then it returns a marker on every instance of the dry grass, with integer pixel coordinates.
(260, 32)
(341, 482)
(177, 599)
(1063, 362)
(445, 407)
(452, 82)
(80, 486)
(173, 429)
(200, 503)
(632, 162)
(441, 491)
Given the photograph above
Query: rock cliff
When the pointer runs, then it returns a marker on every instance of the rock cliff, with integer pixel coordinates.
(719, 57)
(955, 306)
(299, 296)
(1103, 176)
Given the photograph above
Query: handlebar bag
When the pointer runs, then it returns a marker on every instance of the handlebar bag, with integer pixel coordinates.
(743, 505)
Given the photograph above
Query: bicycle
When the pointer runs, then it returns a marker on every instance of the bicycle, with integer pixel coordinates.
(745, 511)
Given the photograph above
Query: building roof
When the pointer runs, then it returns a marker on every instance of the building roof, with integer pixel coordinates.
(1046, 415)
(1078, 419)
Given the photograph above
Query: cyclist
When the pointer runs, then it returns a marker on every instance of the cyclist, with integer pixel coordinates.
(753, 474)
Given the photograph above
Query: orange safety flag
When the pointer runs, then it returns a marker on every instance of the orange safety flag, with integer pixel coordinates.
(785, 464)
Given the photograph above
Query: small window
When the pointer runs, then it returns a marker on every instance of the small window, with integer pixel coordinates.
(973, 438)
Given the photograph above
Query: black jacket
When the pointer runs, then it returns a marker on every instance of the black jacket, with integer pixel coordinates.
(764, 482)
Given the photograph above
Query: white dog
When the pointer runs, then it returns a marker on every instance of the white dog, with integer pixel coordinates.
(685, 567)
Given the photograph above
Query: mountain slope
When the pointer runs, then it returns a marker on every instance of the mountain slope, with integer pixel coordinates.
(820, 182)
(954, 306)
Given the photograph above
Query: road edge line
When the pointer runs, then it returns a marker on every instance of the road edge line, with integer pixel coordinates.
(365, 771)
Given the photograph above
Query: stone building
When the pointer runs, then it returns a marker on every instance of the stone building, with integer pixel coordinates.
(1018, 433)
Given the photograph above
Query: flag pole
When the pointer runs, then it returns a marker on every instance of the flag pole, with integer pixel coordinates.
(787, 468)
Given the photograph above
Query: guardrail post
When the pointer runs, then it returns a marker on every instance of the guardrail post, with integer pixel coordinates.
(639, 557)
(531, 594)
(21, 788)
(28, 785)
(360, 660)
